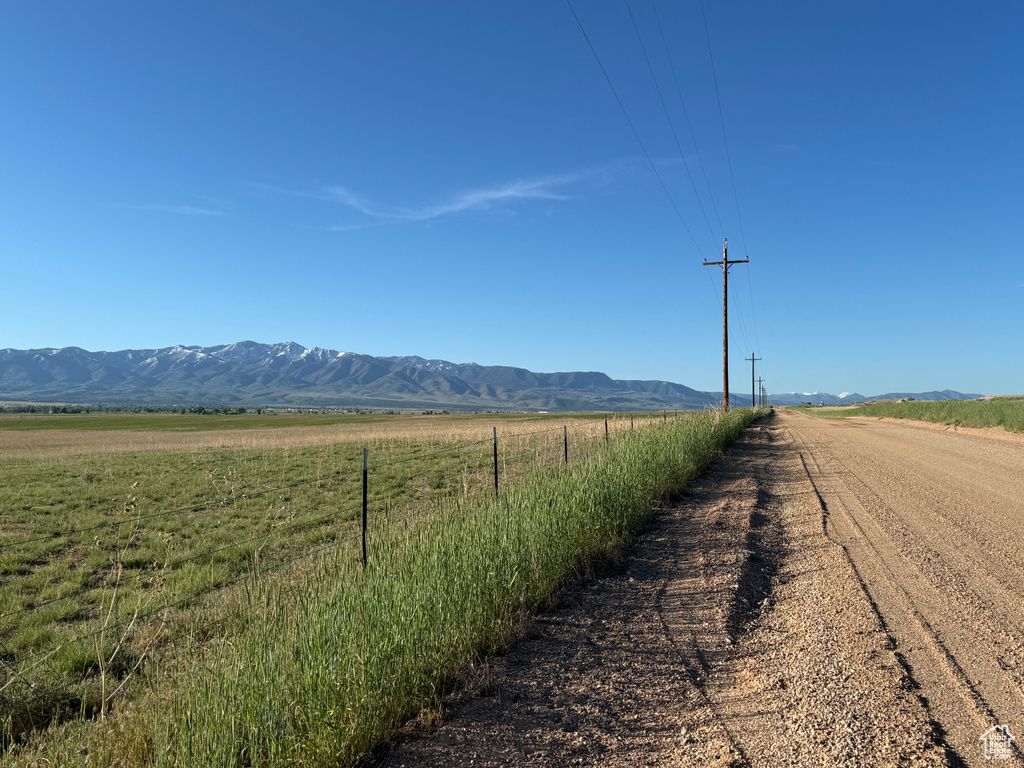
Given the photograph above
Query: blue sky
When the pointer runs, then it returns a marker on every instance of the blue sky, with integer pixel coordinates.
(456, 180)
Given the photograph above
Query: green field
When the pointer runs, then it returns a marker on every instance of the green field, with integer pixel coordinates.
(1005, 412)
(125, 568)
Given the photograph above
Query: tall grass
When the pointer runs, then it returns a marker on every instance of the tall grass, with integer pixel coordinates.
(173, 534)
(316, 673)
(325, 676)
(1005, 412)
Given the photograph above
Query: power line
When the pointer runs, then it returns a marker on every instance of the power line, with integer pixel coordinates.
(633, 128)
(668, 116)
(732, 177)
(686, 114)
(636, 134)
(743, 325)
(721, 116)
(753, 317)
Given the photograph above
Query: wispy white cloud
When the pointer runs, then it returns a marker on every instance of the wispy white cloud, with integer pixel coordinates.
(182, 210)
(502, 195)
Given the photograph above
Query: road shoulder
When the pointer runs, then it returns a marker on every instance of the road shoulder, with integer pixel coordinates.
(736, 634)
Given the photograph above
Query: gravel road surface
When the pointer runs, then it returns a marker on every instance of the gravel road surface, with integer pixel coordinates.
(831, 593)
(934, 524)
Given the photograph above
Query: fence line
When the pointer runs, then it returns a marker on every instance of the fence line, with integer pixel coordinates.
(22, 665)
(230, 500)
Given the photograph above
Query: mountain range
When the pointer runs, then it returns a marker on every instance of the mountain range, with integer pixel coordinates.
(288, 374)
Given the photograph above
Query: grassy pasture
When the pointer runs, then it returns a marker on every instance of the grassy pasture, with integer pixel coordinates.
(1007, 412)
(104, 529)
(314, 667)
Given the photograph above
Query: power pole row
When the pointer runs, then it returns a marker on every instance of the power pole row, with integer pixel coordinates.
(725, 264)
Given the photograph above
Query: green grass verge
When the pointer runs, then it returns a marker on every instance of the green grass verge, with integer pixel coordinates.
(1005, 412)
(317, 676)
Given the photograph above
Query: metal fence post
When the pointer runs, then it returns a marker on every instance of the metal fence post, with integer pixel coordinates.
(495, 462)
(364, 507)
(606, 430)
(565, 437)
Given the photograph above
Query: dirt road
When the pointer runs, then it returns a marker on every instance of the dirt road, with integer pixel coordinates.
(832, 593)
(934, 524)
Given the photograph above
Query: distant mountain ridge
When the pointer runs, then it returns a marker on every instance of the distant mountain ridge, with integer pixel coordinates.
(288, 374)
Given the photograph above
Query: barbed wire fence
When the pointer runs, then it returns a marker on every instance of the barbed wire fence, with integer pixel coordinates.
(80, 673)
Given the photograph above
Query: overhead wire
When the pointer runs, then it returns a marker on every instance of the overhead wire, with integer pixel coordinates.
(732, 177)
(686, 114)
(636, 134)
(725, 137)
(632, 127)
(650, 67)
(743, 330)
(668, 117)
(739, 313)
(753, 317)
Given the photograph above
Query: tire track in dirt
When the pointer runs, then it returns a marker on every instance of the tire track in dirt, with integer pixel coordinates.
(917, 540)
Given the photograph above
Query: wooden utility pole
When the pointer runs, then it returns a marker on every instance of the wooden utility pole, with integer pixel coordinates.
(753, 396)
(725, 316)
(760, 391)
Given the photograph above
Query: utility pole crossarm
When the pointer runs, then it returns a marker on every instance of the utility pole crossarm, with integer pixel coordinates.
(730, 262)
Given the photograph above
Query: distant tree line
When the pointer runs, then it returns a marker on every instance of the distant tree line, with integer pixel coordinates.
(23, 408)
(198, 409)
